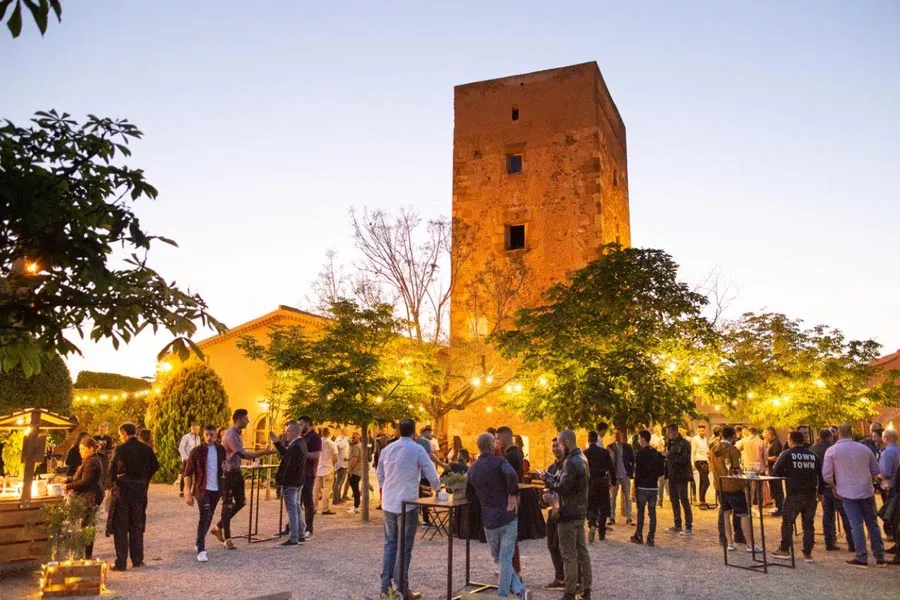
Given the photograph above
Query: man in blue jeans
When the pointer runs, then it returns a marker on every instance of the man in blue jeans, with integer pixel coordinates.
(291, 476)
(496, 484)
(849, 468)
(649, 466)
(400, 468)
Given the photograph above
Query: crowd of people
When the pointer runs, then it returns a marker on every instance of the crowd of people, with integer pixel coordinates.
(582, 487)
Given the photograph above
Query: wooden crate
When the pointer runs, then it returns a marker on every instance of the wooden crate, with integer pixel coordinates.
(73, 578)
(22, 532)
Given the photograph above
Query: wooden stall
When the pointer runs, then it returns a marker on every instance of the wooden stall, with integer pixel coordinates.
(22, 534)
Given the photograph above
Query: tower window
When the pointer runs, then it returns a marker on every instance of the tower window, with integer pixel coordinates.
(615, 177)
(515, 237)
(515, 113)
(513, 163)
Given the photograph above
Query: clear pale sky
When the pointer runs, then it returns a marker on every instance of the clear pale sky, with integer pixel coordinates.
(763, 137)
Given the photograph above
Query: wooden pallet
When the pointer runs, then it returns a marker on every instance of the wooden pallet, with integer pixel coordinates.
(75, 578)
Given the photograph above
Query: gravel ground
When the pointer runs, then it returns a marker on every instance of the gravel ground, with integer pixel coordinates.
(343, 561)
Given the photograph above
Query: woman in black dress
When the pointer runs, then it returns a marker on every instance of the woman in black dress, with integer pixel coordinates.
(88, 483)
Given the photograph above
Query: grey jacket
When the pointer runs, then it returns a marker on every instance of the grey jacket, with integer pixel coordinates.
(571, 484)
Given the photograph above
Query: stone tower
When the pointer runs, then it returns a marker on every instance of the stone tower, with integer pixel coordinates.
(540, 170)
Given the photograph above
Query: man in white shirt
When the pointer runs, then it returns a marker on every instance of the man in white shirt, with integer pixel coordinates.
(189, 441)
(700, 460)
(340, 467)
(325, 473)
(751, 448)
(401, 467)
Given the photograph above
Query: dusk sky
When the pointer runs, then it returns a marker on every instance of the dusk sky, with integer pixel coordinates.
(763, 137)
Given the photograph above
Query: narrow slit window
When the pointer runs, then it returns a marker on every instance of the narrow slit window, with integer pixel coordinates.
(513, 163)
(515, 113)
(515, 237)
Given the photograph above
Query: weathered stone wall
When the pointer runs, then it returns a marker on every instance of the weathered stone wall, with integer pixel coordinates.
(572, 194)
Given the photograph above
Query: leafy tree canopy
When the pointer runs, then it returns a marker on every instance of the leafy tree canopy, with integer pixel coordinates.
(65, 204)
(110, 381)
(623, 341)
(194, 394)
(39, 9)
(777, 372)
(50, 389)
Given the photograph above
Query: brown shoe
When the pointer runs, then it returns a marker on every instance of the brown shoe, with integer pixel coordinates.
(229, 545)
(218, 533)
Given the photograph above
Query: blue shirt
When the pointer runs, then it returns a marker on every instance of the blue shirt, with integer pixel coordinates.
(401, 466)
(493, 480)
(889, 463)
(849, 467)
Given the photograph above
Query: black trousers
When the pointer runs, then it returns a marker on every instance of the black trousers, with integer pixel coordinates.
(129, 519)
(306, 499)
(777, 490)
(354, 485)
(803, 505)
(679, 497)
(233, 500)
(207, 507)
(702, 467)
(553, 548)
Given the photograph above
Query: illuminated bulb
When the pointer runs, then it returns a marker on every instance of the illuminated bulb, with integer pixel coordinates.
(890, 426)
(157, 389)
(696, 380)
(508, 388)
(93, 401)
(776, 401)
(165, 367)
(750, 395)
(32, 267)
(717, 408)
(672, 366)
(786, 399)
(517, 387)
(489, 379)
(542, 381)
(476, 381)
(421, 408)
(27, 430)
(820, 383)
(734, 402)
(489, 409)
(20, 421)
(104, 397)
(378, 399)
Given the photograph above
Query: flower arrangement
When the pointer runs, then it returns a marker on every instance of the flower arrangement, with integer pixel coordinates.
(71, 526)
(455, 483)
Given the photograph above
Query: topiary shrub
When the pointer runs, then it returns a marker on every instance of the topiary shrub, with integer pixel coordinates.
(194, 394)
(110, 381)
(51, 388)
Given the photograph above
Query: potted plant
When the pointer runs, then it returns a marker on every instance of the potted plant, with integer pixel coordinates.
(71, 526)
(455, 483)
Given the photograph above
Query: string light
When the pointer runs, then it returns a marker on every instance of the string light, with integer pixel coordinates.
(489, 379)
(542, 381)
(378, 399)
(476, 381)
(508, 388)
(489, 409)
(820, 383)
(517, 387)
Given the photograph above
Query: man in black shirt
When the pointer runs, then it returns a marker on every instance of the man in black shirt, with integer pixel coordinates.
(73, 457)
(516, 459)
(133, 464)
(601, 473)
(830, 503)
(774, 448)
(649, 466)
(803, 471)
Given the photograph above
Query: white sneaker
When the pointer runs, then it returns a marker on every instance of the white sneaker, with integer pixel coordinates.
(752, 549)
(730, 547)
(201, 557)
(307, 535)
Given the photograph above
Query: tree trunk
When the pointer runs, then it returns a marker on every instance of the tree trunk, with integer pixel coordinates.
(365, 472)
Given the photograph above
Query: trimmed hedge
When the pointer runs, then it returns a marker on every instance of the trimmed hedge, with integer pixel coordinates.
(110, 381)
(51, 388)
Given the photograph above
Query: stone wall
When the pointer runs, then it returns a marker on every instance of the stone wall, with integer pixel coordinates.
(571, 195)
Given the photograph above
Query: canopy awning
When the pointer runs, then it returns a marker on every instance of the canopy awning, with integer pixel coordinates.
(47, 419)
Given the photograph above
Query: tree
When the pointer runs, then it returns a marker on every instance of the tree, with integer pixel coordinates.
(777, 372)
(623, 340)
(50, 389)
(39, 9)
(195, 394)
(357, 373)
(414, 264)
(65, 204)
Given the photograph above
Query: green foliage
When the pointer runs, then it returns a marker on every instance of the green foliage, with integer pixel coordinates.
(194, 394)
(777, 372)
(51, 388)
(71, 525)
(67, 203)
(620, 341)
(114, 412)
(110, 381)
(12, 454)
(39, 9)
